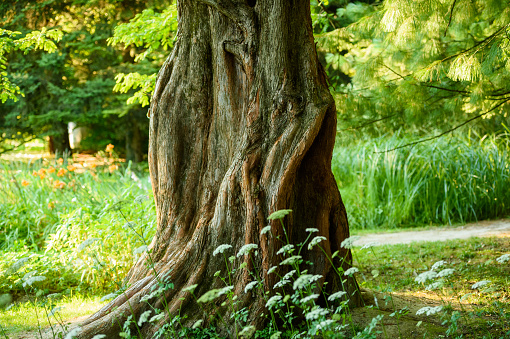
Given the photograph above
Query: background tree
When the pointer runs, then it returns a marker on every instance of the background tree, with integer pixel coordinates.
(425, 67)
(75, 83)
(242, 124)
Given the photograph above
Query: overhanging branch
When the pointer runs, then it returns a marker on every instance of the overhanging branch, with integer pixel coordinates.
(448, 131)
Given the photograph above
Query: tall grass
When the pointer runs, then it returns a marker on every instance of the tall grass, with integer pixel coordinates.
(71, 222)
(449, 180)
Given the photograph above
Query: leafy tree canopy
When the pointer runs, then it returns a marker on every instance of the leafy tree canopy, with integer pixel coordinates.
(421, 65)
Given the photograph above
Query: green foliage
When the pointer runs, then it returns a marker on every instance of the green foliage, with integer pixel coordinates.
(72, 224)
(422, 66)
(155, 32)
(448, 181)
(35, 40)
(74, 83)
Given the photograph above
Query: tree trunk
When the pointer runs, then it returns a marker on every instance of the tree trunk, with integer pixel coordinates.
(242, 124)
(58, 143)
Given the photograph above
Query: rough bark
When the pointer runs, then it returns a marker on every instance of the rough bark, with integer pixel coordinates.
(242, 124)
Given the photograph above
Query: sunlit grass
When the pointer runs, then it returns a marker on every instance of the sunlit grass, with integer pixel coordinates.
(27, 317)
(473, 260)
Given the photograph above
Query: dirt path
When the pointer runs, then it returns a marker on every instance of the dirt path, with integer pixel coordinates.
(488, 228)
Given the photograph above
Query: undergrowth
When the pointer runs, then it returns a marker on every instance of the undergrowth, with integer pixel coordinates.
(445, 181)
(70, 227)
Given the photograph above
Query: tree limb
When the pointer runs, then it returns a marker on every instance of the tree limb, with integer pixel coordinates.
(448, 131)
(369, 122)
(451, 15)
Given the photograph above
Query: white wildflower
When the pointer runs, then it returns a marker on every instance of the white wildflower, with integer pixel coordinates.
(315, 241)
(336, 295)
(370, 244)
(429, 310)
(351, 271)
(446, 272)
(309, 298)
(423, 277)
(143, 317)
(281, 283)
(289, 275)
(480, 284)
(250, 285)
(302, 281)
(155, 293)
(325, 324)
(348, 243)
(311, 230)
(279, 214)
(73, 333)
(213, 294)
(266, 229)
(272, 269)
(99, 336)
(157, 317)
(438, 264)
(504, 258)
(276, 335)
(314, 278)
(273, 300)
(247, 332)
(285, 249)
(246, 249)
(190, 288)
(292, 260)
(222, 248)
(316, 313)
(197, 324)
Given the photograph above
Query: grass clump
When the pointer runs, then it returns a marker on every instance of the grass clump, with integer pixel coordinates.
(449, 180)
(72, 221)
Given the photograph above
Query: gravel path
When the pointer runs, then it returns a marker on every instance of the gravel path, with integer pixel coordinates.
(488, 228)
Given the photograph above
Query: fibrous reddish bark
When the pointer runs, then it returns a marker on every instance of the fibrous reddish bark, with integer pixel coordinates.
(241, 124)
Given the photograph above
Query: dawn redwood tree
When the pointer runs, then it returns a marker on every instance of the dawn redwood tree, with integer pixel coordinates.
(242, 124)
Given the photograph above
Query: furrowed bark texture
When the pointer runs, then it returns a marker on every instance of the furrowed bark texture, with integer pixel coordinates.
(242, 124)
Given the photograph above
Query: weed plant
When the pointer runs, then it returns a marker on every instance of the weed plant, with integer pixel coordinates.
(71, 222)
(446, 181)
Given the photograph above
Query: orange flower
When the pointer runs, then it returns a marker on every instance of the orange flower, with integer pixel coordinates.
(109, 148)
(61, 172)
(51, 205)
(34, 173)
(24, 183)
(59, 184)
(41, 171)
(42, 176)
(112, 168)
(60, 161)
(51, 169)
(93, 165)
(71, 168)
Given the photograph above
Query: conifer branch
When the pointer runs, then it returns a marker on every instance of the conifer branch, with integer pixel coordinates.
(401, 76)
(369, 123)
(446, 89)
(448, 131)
(486, 40)
(451, 15)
